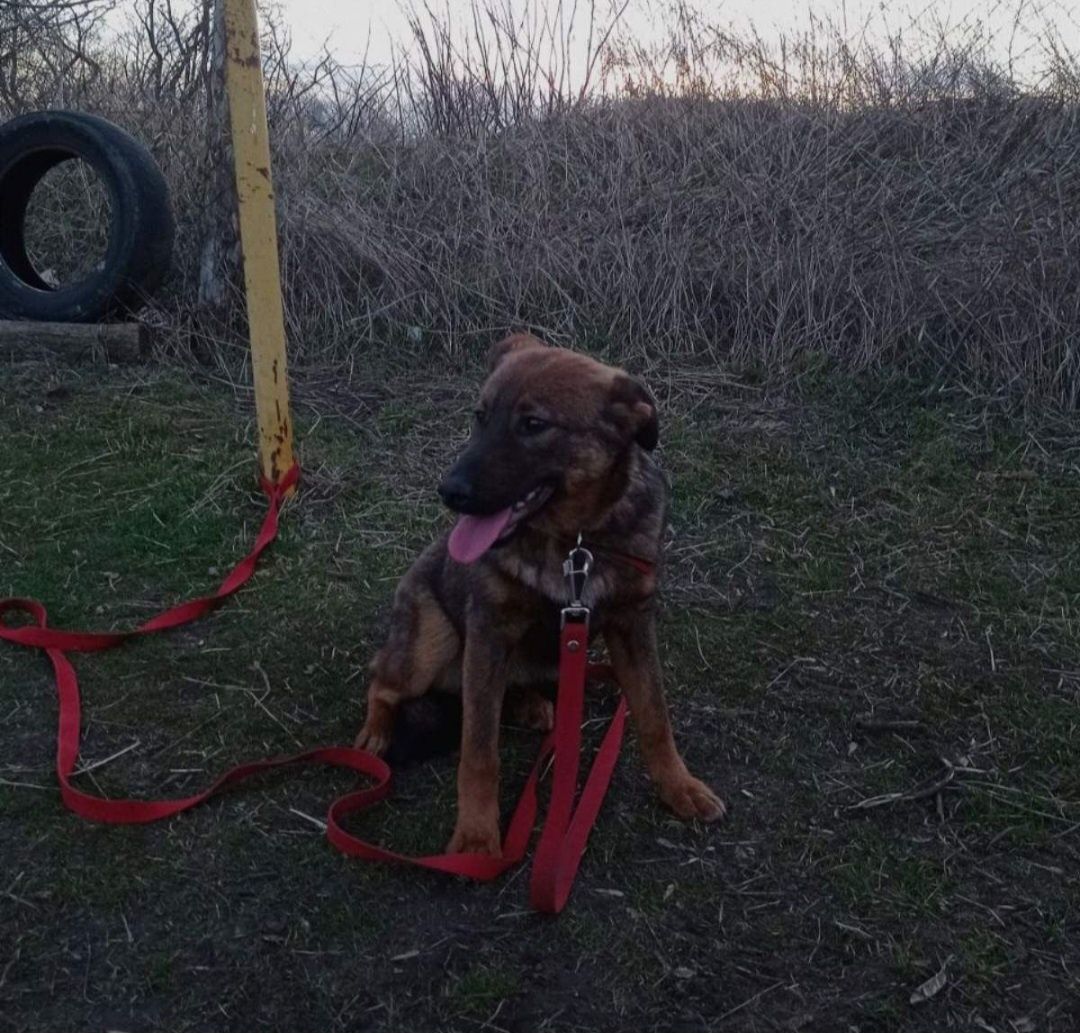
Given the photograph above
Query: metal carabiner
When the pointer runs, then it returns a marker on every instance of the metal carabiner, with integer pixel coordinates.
(576, 568)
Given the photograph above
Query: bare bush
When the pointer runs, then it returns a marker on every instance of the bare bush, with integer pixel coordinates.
(46, 48)
(914, 202)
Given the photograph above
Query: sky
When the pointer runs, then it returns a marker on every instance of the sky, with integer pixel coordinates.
(351, 28)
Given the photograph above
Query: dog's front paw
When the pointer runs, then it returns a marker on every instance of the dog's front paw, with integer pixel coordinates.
(690, 798)
(476, 837)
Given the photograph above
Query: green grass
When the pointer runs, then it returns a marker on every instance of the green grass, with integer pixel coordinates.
(876, 872)
(861, 553)
(482, 989)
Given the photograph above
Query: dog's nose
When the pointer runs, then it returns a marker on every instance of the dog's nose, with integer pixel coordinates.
(456, 492)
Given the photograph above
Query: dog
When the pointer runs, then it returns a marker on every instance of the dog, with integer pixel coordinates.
(560, 447)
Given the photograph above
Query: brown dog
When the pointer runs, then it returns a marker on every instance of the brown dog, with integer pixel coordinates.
(560, 447)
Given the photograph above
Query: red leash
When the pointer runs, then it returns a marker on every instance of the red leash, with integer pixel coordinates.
(565, 832)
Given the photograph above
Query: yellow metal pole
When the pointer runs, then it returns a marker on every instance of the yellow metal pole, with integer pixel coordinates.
(258, 236)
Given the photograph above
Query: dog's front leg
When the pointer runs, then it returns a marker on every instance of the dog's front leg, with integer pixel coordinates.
(483, 686)
(631, 639)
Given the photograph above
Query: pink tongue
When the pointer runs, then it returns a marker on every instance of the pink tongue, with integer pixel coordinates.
(472, 536)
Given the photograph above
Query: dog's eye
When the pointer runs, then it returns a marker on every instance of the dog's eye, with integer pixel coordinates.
(533, 425)
(481, 417)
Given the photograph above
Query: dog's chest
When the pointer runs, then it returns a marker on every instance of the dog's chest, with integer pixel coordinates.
(547, 579)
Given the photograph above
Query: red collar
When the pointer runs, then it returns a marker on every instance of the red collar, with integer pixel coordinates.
(639, 563)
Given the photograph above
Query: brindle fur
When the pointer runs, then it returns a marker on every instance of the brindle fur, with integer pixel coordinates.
(493, 624)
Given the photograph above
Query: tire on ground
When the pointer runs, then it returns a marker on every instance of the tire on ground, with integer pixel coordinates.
(140, 219)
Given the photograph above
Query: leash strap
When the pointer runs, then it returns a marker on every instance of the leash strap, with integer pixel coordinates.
(565, 832)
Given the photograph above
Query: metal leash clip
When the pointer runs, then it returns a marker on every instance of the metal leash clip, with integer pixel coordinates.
(576, 568)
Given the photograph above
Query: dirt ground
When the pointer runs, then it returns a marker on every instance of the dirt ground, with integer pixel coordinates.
(871, 637)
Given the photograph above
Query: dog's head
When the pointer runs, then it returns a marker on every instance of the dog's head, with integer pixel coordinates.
(551, 431)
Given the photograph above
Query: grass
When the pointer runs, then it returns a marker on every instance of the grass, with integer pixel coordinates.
(843, 558)
(483, 988)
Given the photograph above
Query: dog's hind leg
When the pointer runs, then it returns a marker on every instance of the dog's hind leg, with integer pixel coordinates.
(421, 645)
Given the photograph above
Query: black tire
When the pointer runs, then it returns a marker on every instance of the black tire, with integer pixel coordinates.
(140, 222)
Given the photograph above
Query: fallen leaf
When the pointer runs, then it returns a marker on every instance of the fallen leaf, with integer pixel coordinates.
(924, 991)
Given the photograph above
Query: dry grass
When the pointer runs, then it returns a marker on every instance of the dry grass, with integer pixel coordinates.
(913, 204)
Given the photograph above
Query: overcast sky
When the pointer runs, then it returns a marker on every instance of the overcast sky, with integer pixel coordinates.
(348, 27)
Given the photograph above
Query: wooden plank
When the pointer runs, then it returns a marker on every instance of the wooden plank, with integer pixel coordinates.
(75, 342)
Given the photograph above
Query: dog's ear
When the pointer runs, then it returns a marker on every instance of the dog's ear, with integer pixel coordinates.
(632, 409)
(513, 343)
